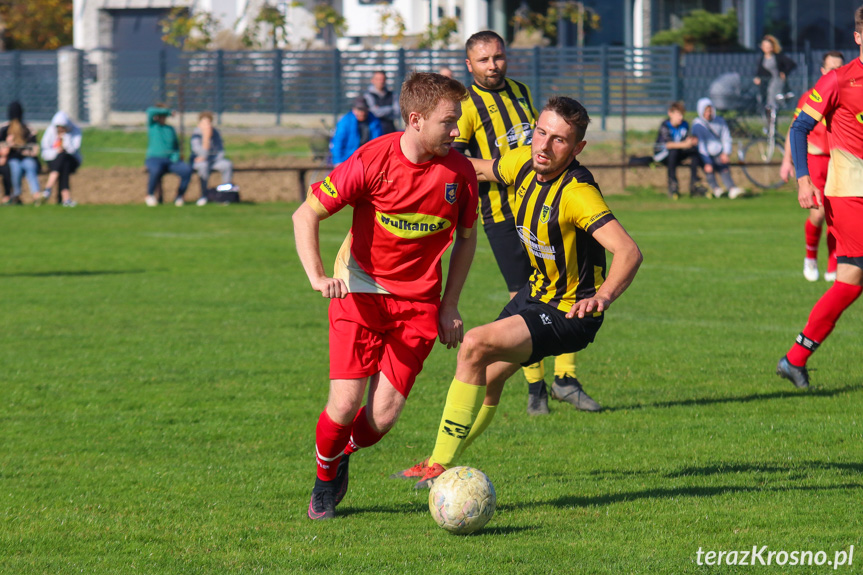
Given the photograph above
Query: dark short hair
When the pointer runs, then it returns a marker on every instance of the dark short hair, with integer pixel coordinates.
(832, 54)
(677, 106)
(572, 112)
(858, 20)
(422, 91)
(483, 37)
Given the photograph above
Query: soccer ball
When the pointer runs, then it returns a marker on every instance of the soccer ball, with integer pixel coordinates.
(462, 500)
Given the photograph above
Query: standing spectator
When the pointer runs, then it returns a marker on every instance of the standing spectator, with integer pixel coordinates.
(61, 148)
(772, 71)
(208, 154)
(19, 150)
(714, 146)
(674, 144)
(354, 129)
(163, 155)
(382, 102)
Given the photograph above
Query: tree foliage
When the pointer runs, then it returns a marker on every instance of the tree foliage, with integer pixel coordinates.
(188, 30)
(546, 23)
(440, 35)
(271, 17)
(702, 31)
(36, 24)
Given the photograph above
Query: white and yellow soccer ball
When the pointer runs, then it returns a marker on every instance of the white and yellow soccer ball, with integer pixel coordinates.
(462, 500)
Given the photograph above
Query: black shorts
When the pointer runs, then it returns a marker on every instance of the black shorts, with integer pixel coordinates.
(551, 332)
(857, 262)
(511, 259)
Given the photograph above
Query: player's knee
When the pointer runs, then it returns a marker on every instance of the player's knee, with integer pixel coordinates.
(342, 410)
(474, 349)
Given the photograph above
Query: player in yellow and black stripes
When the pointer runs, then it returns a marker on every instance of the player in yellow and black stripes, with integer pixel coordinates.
(565, 227)
(500, 116)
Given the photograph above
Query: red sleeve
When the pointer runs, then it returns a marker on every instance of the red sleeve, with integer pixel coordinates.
(824, 97)
(344, 185)
(469, 203)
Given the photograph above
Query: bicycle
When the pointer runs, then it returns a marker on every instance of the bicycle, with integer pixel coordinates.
(759, 150)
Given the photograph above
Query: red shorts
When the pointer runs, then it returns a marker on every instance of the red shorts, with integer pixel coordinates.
(818, 171)
(843, 217)
(372, 333)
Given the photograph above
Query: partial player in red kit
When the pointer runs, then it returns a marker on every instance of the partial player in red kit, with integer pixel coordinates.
(818, 157)
(412, 196)
(838, 99)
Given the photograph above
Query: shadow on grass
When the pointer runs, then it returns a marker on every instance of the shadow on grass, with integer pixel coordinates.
(766, 468)
(74, 273)
(812, 392)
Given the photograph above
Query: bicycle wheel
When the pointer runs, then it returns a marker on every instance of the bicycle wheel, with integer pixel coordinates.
(761, 159)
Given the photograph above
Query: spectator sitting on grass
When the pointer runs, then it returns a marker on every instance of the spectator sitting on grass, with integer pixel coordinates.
(674, 144)
(714, 146)
(354, 129)
(163, 155)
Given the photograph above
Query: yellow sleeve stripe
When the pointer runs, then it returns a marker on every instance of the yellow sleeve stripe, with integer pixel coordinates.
(316, 205)
(810, 111)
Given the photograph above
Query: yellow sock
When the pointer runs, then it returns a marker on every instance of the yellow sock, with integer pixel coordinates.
(534, 372)
(564, 364)
(463, 402)
(482, 421)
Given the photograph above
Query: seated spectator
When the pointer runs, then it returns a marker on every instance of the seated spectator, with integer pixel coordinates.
(714, 146)
(354, 129)
(61, 149)
(208, 154)
(19, 151)
(163, 155)
(674, 144)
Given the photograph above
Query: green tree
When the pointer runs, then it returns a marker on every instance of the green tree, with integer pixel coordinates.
(189, 30)
(702, 31)
(36, 24)
(585, 17)
(439, 36)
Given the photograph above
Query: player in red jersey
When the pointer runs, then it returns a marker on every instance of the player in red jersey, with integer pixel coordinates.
(838, 98)
(411, 194)
(818, 156)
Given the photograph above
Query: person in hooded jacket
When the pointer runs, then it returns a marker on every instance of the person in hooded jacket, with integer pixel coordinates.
(61, 149)
(714, 147)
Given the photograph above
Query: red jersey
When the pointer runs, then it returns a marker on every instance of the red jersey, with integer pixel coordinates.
(838, 98)
(817, 143)
(404, 216)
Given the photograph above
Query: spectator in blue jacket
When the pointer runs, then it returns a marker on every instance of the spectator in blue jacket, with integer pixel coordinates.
(354, 129)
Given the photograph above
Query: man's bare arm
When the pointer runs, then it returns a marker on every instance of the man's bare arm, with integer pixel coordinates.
(306, 235)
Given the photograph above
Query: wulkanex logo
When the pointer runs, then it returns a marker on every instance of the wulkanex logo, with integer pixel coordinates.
(449, 193)
(816, 97)
(328, 187)
(412, 226)
(518, 135)
(543, 215)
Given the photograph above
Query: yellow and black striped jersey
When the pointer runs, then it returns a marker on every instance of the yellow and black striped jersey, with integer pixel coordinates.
(555, 221)
(493, 122)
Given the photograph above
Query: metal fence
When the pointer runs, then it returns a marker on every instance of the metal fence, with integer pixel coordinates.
(608, 80)
(32, 79)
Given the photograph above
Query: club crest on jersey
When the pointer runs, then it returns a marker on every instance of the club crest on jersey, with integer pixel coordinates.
(859, 117)
(328, 187)
(816, 97)
(523, 103)
(450, 192)
(543, 215)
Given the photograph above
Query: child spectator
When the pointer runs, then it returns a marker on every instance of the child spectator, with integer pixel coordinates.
(61, 148)
(714, 146)
(674, 144)
(208, 154)
(163, 155)
(19, 151)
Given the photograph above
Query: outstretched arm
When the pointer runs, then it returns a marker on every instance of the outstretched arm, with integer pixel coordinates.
(484, 171)
(624, 264)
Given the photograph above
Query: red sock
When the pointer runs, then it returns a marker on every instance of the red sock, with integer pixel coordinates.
(330, 441)
(362, 434)
(822, 320)
(831, 251)
(813, 236)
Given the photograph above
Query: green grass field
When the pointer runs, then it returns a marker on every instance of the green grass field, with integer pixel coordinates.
(162, 371)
